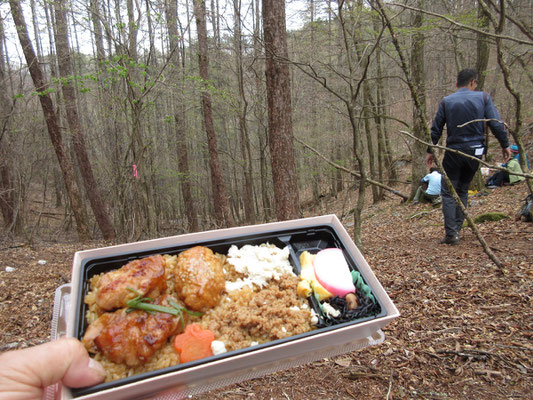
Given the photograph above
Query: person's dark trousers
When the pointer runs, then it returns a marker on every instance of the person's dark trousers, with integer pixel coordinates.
(461, 171)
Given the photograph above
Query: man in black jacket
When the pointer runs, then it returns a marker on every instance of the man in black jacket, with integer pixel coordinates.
(460, 108)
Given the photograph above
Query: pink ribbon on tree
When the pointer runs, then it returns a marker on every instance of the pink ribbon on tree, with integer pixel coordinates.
(135, 174)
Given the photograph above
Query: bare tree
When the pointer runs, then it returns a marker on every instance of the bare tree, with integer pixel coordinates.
(498, 24)
(280, 133)
(220, 197)
(41, 87)
(69, 96)
(242, 110)
(418, 168)
(261, 131)
(7, 188)
(180, 117)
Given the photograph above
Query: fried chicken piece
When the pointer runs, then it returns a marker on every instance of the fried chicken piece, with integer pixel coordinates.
(146, 276)
(131, 338)
(200, 278)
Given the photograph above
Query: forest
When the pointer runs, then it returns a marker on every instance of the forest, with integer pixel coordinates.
(125, 120)
(129, 120)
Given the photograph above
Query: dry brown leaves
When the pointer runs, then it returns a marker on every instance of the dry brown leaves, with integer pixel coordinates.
(465, 329)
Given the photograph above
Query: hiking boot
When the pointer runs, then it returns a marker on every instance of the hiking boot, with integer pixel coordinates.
(453, 240)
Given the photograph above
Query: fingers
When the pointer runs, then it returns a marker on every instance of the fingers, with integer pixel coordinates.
(26, 372)
(506, 154)
(83, 370)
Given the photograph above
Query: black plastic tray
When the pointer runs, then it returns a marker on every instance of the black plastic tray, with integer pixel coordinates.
(298, 240)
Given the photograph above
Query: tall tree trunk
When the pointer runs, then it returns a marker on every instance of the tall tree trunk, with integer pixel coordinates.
(281, 140)
(369, 139)
(482, 60)
(143, 198)
(35, 23)
(248, 200)
(418, 167)
(152, 58)
(73, 120)
(107, 109)
(385, 158)
(260, 115)
(180, 119)
(7, 188)
(220, 197)
(482, 48)
(364, 59)
(51, 121)
(347, 25)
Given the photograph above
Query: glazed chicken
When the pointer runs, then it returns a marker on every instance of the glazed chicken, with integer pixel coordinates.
(131, 338)
(146, 276)
(200, 278)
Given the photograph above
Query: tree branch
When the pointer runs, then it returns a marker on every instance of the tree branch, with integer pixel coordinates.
(356, 174)
(471, 28)
(491, 166)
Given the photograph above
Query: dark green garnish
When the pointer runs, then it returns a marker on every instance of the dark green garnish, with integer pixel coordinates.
(145, 304)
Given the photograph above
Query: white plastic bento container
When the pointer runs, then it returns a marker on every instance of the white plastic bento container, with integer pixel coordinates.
(181, 381)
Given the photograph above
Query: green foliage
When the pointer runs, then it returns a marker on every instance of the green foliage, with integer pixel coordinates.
(45, 92)
(491, 217)
(79, 81)
(209, 86)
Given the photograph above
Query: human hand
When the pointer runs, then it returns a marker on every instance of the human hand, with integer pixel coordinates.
(506, 154)
(430, 160)
(24, 374)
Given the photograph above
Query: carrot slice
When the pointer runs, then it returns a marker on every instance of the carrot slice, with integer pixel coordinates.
(194, 343)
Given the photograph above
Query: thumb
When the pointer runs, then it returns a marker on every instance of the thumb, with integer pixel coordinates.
(25, 373)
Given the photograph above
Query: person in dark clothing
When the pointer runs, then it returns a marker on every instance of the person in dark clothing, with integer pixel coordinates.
(457, 111)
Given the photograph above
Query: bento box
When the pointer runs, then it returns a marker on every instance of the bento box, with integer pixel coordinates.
(330, 335)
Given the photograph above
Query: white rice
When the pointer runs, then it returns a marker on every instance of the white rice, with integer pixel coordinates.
(259, 264)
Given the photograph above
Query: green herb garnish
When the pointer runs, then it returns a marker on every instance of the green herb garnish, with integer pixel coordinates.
(145, 304)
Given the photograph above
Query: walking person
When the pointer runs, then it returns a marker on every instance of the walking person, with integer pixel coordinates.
(456, 109)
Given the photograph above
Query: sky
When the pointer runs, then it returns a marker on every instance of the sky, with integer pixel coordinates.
(81, 36)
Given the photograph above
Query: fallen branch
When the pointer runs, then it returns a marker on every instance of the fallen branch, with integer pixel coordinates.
(356, 375)
(340, 167)
(390, 386)
(487, 372)
(422, 213)
(481, 354)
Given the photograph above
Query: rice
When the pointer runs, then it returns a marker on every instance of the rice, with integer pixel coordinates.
(260, 264)
(259, 315)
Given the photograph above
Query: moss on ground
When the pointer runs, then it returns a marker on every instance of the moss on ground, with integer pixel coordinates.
(490, 216)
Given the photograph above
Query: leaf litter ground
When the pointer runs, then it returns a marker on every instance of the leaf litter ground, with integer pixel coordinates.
(465, 329)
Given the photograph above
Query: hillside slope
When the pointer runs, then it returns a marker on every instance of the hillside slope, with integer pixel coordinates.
(465, 329)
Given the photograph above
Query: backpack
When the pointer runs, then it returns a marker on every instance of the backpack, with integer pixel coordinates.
(496, 180)
(526, 211)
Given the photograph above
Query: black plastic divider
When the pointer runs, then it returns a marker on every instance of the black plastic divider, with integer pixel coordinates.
(314, 241)
(311, 239)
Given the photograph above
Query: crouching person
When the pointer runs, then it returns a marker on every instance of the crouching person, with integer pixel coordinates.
(430, 188)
